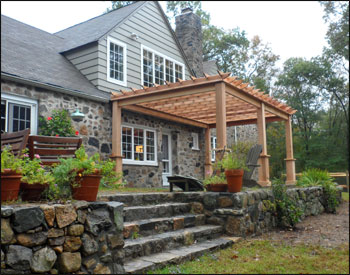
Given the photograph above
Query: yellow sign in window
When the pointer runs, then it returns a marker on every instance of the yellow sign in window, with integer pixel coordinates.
(139, 148)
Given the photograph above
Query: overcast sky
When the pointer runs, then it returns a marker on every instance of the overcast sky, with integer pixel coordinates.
(293, 29)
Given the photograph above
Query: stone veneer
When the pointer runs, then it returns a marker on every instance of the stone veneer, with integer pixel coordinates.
(185, 161)
(95, 129)
(81, 237)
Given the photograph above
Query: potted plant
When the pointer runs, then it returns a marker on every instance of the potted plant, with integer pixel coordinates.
(35, 178)
(234, 163)
(10, 174)
(216, 183)
(82, 175)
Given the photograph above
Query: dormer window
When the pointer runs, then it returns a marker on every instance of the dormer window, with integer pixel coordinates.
(116, 61)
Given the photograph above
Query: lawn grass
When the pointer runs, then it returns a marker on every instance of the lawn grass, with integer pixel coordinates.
(259, 257)
(345, 196)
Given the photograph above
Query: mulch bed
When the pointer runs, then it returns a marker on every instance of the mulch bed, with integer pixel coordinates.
(327, 230)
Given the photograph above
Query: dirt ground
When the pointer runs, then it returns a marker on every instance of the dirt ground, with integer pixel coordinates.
(327, 230)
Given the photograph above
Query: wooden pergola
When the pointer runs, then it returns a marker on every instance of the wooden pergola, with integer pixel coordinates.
(215, 101)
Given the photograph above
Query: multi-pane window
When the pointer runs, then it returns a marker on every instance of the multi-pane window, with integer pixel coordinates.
(178, 72)
(157, 68)
(169, 71)
(138, 145)
(116, 61)
(127, 142)
(18, 113)
(213, 146)
(147, 68)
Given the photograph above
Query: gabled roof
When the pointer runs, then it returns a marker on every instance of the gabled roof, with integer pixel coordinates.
(31, 54)
(95, 28)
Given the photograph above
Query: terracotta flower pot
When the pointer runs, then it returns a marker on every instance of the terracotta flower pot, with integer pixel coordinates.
(32, 192)
(234, 180)
(10, 184)
(88, 188)
(219, 187)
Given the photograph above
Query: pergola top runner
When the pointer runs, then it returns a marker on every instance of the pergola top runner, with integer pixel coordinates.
(194, 100)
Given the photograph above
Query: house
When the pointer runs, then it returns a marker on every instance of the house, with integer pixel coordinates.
(81, 66)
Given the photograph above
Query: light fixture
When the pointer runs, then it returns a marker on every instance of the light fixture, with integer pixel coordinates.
(134, 36)
(77, 115)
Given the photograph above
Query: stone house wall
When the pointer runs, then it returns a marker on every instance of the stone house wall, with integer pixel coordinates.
(80, 237)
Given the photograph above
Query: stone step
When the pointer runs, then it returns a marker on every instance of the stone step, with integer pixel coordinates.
(145, 246)
(154, 226)
(175, 256)
(136, 199)
(134, 213)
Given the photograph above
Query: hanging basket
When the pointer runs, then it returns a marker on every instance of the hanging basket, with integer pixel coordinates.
(234, 180)
(10, 185)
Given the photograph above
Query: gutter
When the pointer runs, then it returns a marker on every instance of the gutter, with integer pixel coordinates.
(52, 87)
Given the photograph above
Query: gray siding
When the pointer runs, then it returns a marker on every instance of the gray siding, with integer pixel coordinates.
(153, 33)
(85, 59)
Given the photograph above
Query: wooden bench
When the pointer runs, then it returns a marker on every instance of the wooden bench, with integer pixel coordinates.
(51, 148)
(17, 140)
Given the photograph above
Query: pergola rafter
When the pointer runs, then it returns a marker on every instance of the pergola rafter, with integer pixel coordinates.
(207, 102)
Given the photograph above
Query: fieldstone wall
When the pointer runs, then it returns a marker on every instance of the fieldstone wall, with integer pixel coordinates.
(185, 160)
(81, 237)
(247, 213)
(95, 129)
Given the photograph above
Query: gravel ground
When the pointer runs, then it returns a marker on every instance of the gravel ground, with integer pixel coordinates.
(327, 230)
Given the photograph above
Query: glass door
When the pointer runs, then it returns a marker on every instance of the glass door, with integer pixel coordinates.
(166, 158)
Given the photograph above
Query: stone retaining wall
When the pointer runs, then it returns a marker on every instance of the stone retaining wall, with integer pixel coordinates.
(246, 213)
(81, 237)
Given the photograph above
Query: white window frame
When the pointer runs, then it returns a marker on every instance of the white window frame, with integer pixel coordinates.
(195, 141)
(33, 104)
(139, 162)
(212, 148)
(153, 64)
(123, 45)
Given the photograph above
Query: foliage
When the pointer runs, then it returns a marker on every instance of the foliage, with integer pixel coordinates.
(337, 15)
(58, 124)
(265, 256)
(216, 179)
(173, 8)
(119, 4)
(317, 177)
(236, 158)
(33, 171)
(287, 211)
(10, 161)
(67, 170)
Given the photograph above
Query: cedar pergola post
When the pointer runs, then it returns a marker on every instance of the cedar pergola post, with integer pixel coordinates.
(116, 137)
(220, 99)
(290, 160)
(207, 166)
(264, 174)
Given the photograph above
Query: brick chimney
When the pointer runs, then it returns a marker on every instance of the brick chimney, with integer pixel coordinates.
(189, 33)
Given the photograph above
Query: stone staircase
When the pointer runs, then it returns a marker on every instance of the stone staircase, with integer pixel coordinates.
(165, 228)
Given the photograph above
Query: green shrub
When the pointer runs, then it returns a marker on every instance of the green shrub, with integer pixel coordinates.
(215, 179)
(10, 161)
(287, 211)
(318, 177)
(58, 124)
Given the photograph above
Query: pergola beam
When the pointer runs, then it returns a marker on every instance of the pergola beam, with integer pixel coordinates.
(116, 137)
(220, 96)
(246, 121)
(166, 116)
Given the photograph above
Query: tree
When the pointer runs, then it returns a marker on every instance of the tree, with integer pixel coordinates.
(119, 4)
(337, 15)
